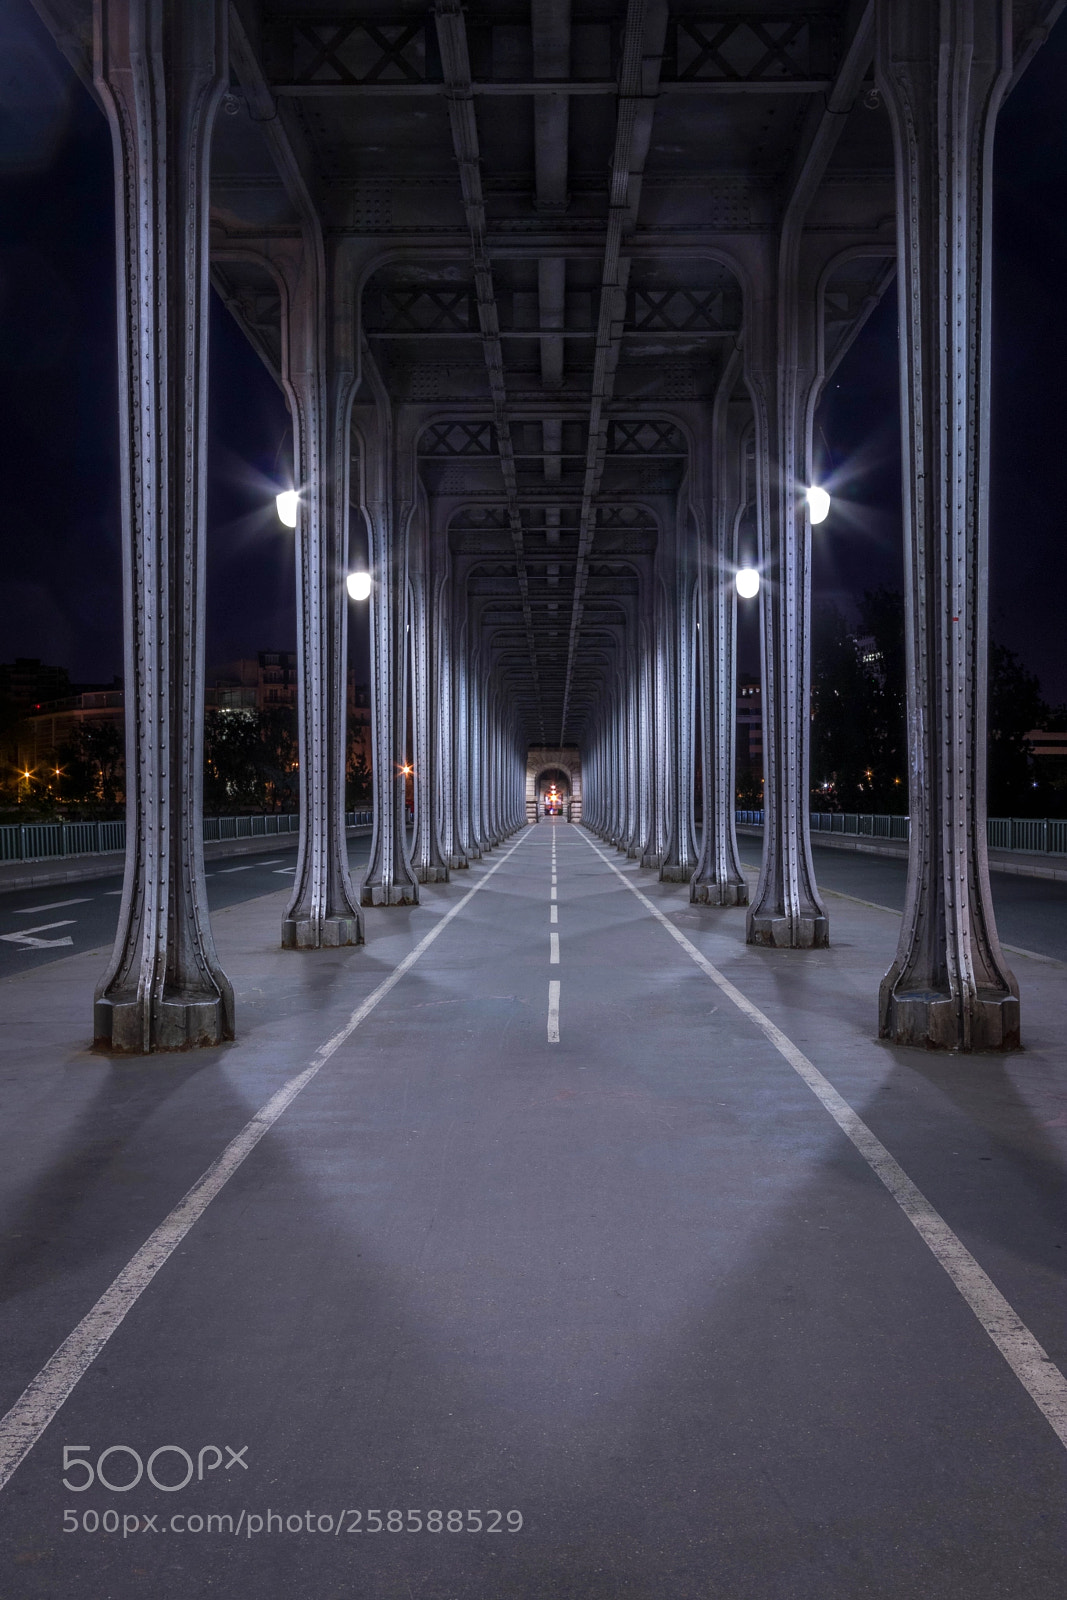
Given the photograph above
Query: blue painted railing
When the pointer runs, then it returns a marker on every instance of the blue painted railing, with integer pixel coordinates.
(1039, 835)
(47, 841)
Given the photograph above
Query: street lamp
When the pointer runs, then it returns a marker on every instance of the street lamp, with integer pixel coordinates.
(358, 584)
(287, 503)
(747, 581)
(818, 504)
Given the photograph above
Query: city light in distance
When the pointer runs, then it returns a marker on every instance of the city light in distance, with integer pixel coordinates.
(287, 503)
(358, 584)
(818, 504)
(747, 581)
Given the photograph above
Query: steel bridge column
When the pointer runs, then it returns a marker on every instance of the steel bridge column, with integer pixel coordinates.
(160, 71)
(389, 880)
(780, 369)
(943, 70)
(461, 748)
(444, 722)
(718, 879)
(661, 774)
(322, 909)
(678, 861)
(426, 858)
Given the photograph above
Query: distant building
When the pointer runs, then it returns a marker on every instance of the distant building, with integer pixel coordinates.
(31, 683)
(750, 726)
(48, 726)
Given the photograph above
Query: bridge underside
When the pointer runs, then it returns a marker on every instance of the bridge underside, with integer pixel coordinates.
(552, 292)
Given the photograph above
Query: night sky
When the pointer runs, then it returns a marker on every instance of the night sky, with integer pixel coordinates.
(59, 549)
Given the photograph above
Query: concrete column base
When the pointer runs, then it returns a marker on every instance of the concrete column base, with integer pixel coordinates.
(807, 932)
(650, 861)
(718, 894)
(303, 933)
(458, 864)
(397, 894)
(174, 1024)
(432, 874)
(669, 873)
(933, 1021)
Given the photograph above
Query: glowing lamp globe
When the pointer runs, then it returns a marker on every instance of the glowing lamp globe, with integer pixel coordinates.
(818, 504)
(287, 503)
(747, 581)
(358, 584)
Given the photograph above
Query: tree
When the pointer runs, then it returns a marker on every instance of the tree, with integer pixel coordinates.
(90, 762)
(1015, 707)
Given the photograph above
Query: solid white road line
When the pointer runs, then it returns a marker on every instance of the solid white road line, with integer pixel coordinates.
(553, 949)
(553, 1011)
(553, 913)
(35, 1408)
(1030, 1362)
(54, 905)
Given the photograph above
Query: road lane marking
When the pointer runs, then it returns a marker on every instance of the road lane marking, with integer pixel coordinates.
(553, 913)
(25, 937)
(1030, 1362)
(35, 1408)
(553, 949)
(552, 892)
(250, 866)
(553, 1011)
(55, 905)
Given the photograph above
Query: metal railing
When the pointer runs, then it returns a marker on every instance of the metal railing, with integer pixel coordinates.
(1046, 836)
(48, 841)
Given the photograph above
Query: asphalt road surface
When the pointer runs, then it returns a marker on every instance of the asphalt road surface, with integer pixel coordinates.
(530, 1265)
(39, 925)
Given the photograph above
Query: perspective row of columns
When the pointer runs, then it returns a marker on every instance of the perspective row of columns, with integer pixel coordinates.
(942, 70)
(161, 70)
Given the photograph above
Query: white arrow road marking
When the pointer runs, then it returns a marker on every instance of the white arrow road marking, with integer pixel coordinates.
(56, 905)
(25, 936)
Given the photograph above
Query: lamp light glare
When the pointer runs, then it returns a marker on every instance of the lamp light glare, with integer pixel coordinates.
(747, 581)
(287, 503)
(358, 584)
(818, 504)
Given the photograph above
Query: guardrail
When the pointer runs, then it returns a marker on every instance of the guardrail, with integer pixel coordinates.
(1046, 836)
(47, 841)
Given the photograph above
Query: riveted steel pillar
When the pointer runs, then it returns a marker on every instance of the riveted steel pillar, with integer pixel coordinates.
(320, 377)
(389, 484)
(943, 70)
(445, 699)
(427, 861)
(718, 879)
(160, 68)
(661, 711)
(781, 374)
(461, 747)
(678, 860)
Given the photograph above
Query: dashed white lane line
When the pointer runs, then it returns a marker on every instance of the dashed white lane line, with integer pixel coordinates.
(553, 913)
(553, 949)
(553, 1011)
(1030, 1362)
(552, 892)
(250, 867)
(35, 1408)
(54, 905)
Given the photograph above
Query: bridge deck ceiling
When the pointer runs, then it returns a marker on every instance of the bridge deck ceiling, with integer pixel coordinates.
(549, 222)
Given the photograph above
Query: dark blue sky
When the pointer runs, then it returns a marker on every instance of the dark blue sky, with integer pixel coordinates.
(59, 552)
